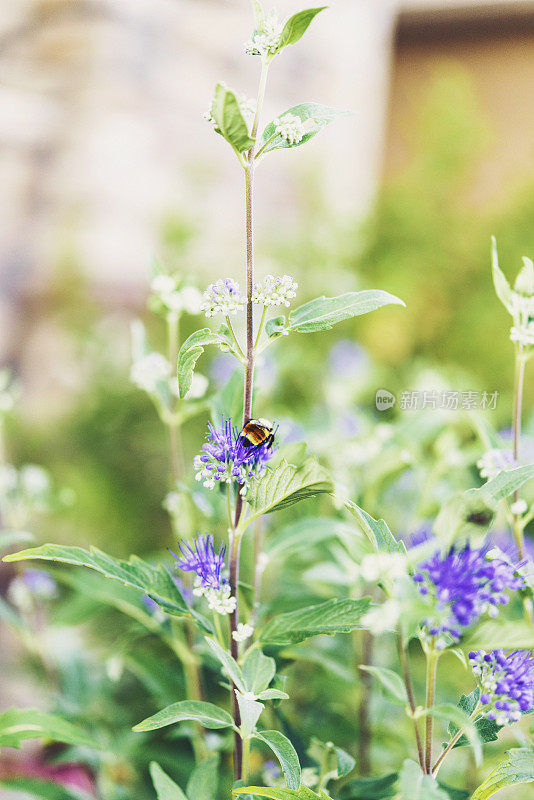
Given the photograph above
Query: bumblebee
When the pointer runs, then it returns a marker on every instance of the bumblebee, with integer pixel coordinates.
(257, 432)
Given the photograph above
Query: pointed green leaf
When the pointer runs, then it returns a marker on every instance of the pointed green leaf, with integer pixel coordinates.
(250, 711)
(285, 485)
(166, 788)
(19, 724)
(487, 729)
(314, 115)
(275, 327)
(208, 714)
(202, 785)
(376, 531)
(334, 616)
(229, 120)
(518, 768)
(413, 784)
(152, 580)
(231, 667)
(502, 287)
(297, 25)
(190, 352)
(258, 671)
(259, 15)
(323, 313)
(392, 683)
(43, 790)
(302, 793)
(285, 753)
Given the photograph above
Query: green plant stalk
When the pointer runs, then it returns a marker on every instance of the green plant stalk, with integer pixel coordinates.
(411, 698)
(246, 759)
(235, 537)
(432, 658)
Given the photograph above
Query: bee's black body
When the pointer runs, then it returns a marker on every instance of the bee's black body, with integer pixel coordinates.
(257, 432)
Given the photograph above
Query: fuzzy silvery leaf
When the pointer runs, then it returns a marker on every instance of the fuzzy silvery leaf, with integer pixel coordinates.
(17, 725)
(502, 287)
(231, 667)
(376, 531)
(153, 580)
(518, 768)
(207, 714)
(297, 25)
(323, 313)
(229, 120)
(250, 711)
(286, 485)
(314, 116)
(203, 782)
(166, 788)
(333, 616)
(273, 694)
(285, 753)
(258, 671)
(190, 352)
(392, 684)
(413, 784)
(524, 283)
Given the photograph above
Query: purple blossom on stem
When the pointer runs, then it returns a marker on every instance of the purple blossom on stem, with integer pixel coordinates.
(463, 585)
(506, 682)
(202, 559)
(225, 458)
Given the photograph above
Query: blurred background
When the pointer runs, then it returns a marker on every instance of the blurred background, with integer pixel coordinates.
(107, 167)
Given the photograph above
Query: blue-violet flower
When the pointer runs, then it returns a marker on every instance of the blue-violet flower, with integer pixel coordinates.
(207, 565)
(506, 682)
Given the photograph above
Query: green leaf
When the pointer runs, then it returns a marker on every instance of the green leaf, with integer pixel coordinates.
(493, 634)
(487, 729)
(258, 671)
(333, 616)
(461, 720)
(202, 785)
(376, 531)
(190, 352)
(321, 116)
(43, 790)
(302, 793)
(392, 683)
(9, 538)
(323, 313)
(285, 753)
(259, 14)
(345, 762)
(518, 768)
(152, 580)
(275, 327)
(297, 25)
(231, 667)
(370, 788)
(285, 485)
(506, 483)
(208, 714)
(250, 711)
(307, 531)
(413, 784)
(273, 694)
(19, 724)
(166, 788)
(502, 287)
(229, 120)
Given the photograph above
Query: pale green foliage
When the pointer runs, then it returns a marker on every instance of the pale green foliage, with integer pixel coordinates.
(207, 714)
(518, 768)
(285, 753)
(18, 725)
(333, 616)
(318, 114)
(166, 788)
(414, 785)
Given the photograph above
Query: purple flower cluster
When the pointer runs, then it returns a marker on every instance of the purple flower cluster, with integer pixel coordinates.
(203, 561)
(225, 458)
(463, 585)
(506, 682)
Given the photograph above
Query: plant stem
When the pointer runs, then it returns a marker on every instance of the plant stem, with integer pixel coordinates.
(516, 430)
(234, 338)
(411, 700)
(175, 445)
(457, 736)
(235, 546)
(246, 759)
(364, 721)
(260, 326)
(432, 658)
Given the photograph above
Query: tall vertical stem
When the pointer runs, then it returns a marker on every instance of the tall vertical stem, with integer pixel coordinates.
(516, 431)
(235, 536)
(411, 699)
(432, 658)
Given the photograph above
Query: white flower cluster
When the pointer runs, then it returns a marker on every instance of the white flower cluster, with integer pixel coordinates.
(266, 40)
(293, 128)
(382, 566)
(147, 372)
(223, 297)
(273, 291)
(219, 600)
(243, 632)
(382, 618)
(495, 461)
(166, 290)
